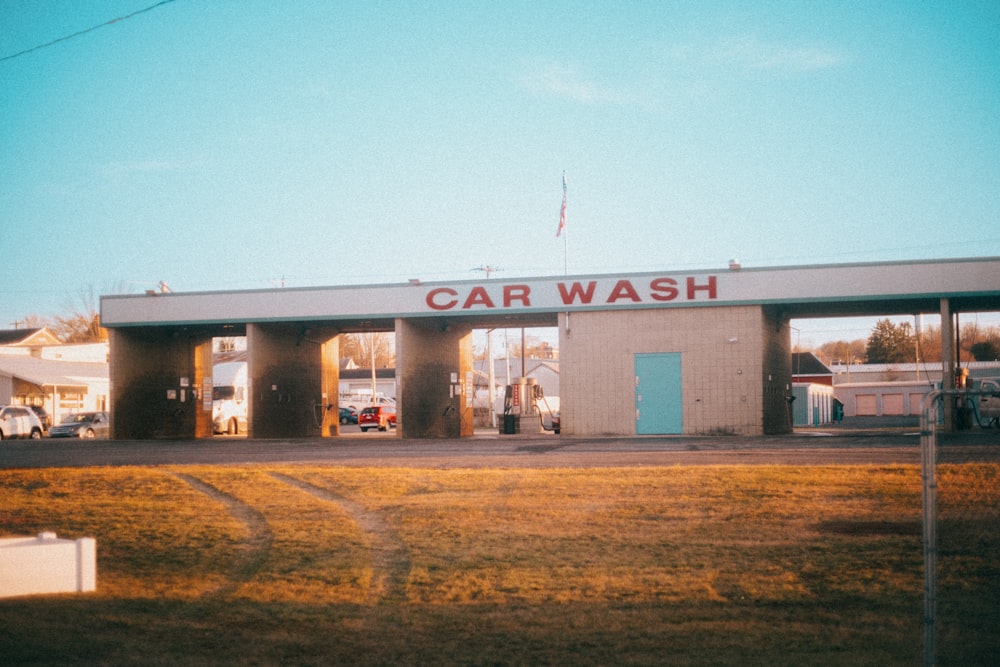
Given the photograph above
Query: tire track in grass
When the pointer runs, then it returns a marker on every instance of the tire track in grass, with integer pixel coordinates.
(390, 558)
(256, 549)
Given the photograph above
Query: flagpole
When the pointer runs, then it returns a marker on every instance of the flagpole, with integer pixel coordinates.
(562, 230)
(565, 252)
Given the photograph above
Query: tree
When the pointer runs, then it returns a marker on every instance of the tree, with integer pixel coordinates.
(890, 343)
(987, 350)
(536, 347)
(32, 321)
(843, 351)
(83, 323)
(929, 344)
(358, 348)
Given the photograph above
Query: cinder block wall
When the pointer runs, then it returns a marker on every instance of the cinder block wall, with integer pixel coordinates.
(428, 352)
(289, 380)
(722, 361)
(155, 383)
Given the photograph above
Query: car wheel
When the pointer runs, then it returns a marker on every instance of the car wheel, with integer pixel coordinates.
(88, 434)
(343, 420)
(364, 429)
(36, 434)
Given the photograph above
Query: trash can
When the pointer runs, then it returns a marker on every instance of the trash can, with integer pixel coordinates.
(509, 425)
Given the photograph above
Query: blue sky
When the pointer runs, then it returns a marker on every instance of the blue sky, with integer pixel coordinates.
(234, 145)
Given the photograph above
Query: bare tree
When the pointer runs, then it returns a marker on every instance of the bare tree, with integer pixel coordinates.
(358, 347)
(82, 324)
(32, 321)
(843, 351)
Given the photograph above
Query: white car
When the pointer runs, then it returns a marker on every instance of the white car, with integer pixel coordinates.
(19, 421)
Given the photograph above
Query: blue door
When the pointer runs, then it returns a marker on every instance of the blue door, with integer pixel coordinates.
(658, 406)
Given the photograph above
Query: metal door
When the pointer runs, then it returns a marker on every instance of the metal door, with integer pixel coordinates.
(658, 393)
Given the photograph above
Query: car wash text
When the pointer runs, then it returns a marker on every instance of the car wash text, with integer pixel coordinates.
(576, 293)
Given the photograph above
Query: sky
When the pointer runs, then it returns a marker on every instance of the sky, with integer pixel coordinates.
(231, 145)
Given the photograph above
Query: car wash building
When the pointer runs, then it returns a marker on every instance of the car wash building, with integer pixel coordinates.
(690, 352)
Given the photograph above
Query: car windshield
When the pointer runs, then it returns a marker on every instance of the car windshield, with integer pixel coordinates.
(223, 393)
(79, 418)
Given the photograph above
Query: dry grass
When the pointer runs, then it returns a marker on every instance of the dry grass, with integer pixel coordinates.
(322, 564)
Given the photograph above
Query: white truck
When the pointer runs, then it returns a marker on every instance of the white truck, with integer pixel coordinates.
(229, 397)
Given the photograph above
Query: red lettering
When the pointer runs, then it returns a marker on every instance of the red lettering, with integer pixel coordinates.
(692, 288)
(577, 291)
(433, 302)
(512, 293)
(663, 289)
(478, 297)
(622, 290)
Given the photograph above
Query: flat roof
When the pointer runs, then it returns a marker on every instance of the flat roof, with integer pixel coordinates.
(877, 288)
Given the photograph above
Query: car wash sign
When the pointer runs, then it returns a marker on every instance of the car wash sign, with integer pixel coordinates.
(594, 293)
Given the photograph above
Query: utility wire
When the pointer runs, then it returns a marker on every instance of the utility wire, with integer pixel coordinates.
(84, 32)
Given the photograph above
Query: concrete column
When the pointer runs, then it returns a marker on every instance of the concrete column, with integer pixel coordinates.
(201, 382)
(947, 362)
(155, 382)
(433, 378)
(289, 375)
(330, 362)
(776, 372)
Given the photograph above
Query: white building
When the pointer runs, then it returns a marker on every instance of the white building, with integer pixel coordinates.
(36, 369)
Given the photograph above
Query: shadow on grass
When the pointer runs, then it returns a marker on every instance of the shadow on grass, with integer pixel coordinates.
(63, 631)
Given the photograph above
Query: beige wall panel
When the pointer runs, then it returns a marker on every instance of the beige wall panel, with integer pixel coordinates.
(722, 364)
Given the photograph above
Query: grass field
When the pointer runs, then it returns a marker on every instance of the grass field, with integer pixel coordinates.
(598, 566)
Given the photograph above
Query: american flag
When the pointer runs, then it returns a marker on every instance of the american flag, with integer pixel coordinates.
(562, 211)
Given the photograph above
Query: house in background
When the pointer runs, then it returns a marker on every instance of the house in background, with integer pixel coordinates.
(356, 384)
(37, 369)
(806, 368)
(813, 402)
(27, 341)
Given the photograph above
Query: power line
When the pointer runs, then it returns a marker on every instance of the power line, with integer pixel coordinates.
(84, 32)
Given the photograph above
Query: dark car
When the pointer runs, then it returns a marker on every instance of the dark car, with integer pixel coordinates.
(82, 425)
(43, 416)
(377, 416)
(348, 415)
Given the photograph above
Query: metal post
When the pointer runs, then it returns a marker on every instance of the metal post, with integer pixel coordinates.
(371, 350)
(928, 457)
(928, 461)
(491, 378)
(947, 360)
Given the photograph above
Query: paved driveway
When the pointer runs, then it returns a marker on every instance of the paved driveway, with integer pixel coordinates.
(491, 450)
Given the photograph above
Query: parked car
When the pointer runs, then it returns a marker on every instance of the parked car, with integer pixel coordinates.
(377, 416)
(348, 415)
(82, 425)
(43, 416)
(18, 421)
